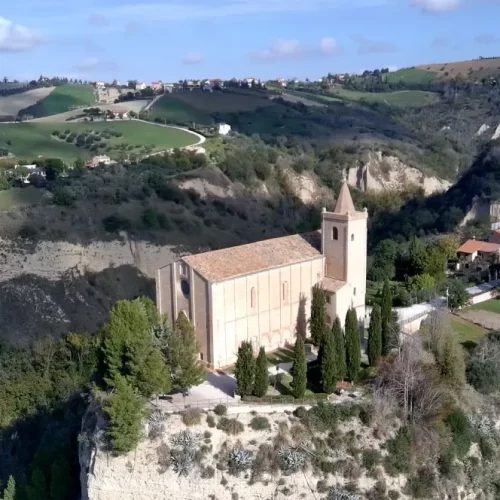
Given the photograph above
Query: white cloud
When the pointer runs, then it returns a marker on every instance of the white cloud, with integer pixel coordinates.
(193, 58)
(329, 46)
(436, 5)
(92, 64)
(367, 46)
(486, 39)
(15, 37)
(280, 49)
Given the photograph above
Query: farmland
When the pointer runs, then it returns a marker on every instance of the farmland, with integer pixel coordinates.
(410, 75)
(481, 67)
(11, 105)
(199, 106)
(30, 140)
(404, 98)
(61, 99)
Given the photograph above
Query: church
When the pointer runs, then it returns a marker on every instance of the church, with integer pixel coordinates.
(261, 292)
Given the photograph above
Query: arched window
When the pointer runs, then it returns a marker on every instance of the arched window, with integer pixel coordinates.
(335, 233)
(252, 298)
(352, 237)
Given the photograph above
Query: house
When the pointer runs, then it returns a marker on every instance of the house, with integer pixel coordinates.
(100, 85)
(156, 86)
(140, 86)
(261, 292)
(29, 170)
(217, 84)
(118, 113)
(473, 250)
(223, 128)
(99, 160)
(168, 87)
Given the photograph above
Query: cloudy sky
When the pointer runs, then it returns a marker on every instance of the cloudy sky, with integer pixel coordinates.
(174, 39)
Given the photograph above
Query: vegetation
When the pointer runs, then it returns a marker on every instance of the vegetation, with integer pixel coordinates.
(317, 324)
(261, 382)
(375, 336)
(329, 368)
(299, 370)
(385, 318)
(339, 347)
(245, 370)
(352, 344)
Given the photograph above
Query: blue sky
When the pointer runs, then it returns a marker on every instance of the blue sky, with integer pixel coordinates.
(174, 39)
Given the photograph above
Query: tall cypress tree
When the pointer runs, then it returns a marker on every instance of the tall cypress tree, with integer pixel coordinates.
(10, 492)
(375, 336)
(339, 346)
(352, 345)
(245, 369)
(299, 370)
(386, 318)
(261, 382)
(329, 370)
(317, 324)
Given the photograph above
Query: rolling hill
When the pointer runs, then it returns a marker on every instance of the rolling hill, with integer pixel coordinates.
(479, 68)
(63, 98)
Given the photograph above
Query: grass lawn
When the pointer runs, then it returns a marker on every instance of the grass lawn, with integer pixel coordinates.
(410, 75)
(280, 356)
(468, 333)
(20, 197)
(404, 98)
(492, 305)
(30, 140)
(61, 99)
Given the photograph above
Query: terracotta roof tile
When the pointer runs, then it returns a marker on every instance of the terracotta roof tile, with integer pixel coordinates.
(471, 246)
(237, 261)
(332, 285)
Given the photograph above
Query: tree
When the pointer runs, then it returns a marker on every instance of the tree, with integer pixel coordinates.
(436, 263)
(187, 370)
(317, 324)
(375, 336)
(339, 347)
(37, 489)
(79, 163)
(124, 410)
(10, 491)
(299, 370)
(386, 313)
(245, 369)
(60, 482)
(53, 168)
(421, 282)
(417, 257)
(457, 295)
(154, 377)
(261, 382)
(329, 369)
(352, 345)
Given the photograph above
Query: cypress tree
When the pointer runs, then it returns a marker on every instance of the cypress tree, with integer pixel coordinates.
(60, 479)
(261, 382)
(375, 336)
(10, 492)
(386, 318)
(339, 347)
(317, 323)
(329, 370)
(245, 369)
(352, 344)
(299, 370)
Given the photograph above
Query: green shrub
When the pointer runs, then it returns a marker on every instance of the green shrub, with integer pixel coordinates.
(322, 486)
(207, 472)
(230, 426)
(220, 410)
(461, 433)
(207, 434)
(400, 449)
(210, 421)
(259, 423)
(487, 449)
(192, 416)
(116, 222)
(64, 196)
(371, 458)
(446, 462)
(423, 484)
(300, 412)
(393, 494)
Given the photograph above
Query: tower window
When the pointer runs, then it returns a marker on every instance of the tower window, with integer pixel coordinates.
(184, 269)
(335, 233)
(352, 237)
(284, 291)
(252, 298)
(354, 292)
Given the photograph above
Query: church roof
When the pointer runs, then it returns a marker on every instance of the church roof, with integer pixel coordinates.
(332, 285)
(233, 262)
(344, 201)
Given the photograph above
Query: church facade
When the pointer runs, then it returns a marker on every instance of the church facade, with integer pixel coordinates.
(261, 292)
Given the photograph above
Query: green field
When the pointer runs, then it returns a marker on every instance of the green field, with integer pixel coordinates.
(62, 99)
(492, 305)
(410, 75)
(31, 140)
(467, 332)
(199, 106)
(20, 197)
(404, 98)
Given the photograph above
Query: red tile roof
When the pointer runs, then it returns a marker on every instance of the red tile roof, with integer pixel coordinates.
(472, 246)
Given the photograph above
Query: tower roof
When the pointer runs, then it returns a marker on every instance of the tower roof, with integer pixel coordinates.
(344, 201)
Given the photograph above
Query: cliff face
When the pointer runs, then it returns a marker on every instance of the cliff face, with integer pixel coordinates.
(389, 172)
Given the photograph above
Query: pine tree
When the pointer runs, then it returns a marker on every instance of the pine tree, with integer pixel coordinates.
(10, 491)
(188, 370)
(329, 370)
(352, 344)
(261, 382)
(317, 324)
(37, 488)
(245, 369)
(60, 479)
(375, 336)
(154, 377)
(125, 412)
(299, 370)
(386, 318)
(339, 346)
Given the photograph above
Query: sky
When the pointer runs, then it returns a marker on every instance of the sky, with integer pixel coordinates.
(175, 39)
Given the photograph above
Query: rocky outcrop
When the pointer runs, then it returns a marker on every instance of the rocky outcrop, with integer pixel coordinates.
(381, 172)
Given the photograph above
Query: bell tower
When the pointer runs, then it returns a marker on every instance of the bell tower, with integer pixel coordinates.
(344, 245)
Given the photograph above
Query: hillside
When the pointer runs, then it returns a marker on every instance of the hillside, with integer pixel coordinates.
(11, 105)
(63, 98)
(477, 68)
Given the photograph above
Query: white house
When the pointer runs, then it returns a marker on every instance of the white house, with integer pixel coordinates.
(140, 86)
(100, 85)
(101, 160)
(224, 128)
(31, 170)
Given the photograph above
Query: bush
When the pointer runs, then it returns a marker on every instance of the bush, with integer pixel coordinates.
(28, 232)
(150, 218)
(371, 458)
(192, 416)
(394, 494)
(259, 423)
(400, 448)
(300, 412)
(64, 196)
(220, 410)
(230, 426)
(322, 486)
(423, 484)
(461, 433)
(446, 461)
(210, 421)
(207, 472)
(116, 222)
(207, 434)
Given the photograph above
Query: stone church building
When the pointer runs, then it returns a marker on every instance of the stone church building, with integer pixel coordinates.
(261, 292)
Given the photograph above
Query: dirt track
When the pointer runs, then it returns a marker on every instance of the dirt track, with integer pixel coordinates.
(11, 105)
